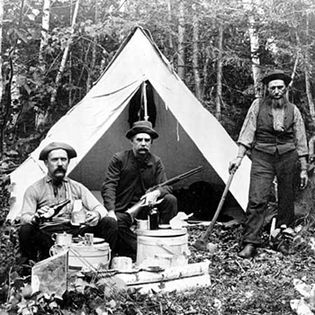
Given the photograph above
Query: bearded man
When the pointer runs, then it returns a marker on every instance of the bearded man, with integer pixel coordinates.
(274, 132)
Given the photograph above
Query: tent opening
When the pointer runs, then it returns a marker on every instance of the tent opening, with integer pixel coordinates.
(142, 104)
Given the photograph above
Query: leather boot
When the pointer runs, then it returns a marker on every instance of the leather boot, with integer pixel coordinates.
(248, 251)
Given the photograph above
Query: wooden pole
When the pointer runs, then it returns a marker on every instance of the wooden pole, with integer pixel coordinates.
(145, 103)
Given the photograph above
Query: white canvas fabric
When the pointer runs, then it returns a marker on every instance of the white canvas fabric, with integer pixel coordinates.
(189, 135)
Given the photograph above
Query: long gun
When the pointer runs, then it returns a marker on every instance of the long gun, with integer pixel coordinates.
(135, 209)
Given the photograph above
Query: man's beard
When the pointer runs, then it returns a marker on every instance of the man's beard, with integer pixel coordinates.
(278, 103)
(142, 154)
(59, 178)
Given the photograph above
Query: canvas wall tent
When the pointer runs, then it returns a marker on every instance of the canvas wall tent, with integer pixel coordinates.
(189, 135)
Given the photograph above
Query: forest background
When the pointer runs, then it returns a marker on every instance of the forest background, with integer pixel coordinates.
(53, 50)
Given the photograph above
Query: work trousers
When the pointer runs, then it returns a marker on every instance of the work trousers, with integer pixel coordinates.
(264, 168)
(35, 242)
(127, 239)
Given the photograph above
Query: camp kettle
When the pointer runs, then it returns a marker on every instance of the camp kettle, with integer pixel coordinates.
(62, 239)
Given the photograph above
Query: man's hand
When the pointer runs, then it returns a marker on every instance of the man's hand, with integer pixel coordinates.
(92, 218)
(234, 164)
(112, 214)
(151, 197)
(303, 179)
(45, 212)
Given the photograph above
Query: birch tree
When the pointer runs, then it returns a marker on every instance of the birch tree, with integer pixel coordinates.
(44, 32)
(169, 18)
(195, 53)
(40, 114)
(93, 59)
(249, 6)
(219, 72)
(181, 35)
(308, 71)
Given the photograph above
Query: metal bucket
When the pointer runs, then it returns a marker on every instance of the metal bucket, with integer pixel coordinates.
(163, 248)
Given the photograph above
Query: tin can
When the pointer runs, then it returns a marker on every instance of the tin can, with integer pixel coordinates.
(88, 239)
(153, 219)
(142, 224)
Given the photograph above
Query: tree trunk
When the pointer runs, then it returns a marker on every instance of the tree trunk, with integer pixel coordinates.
(254, 48)
(206, 58)
(307, 73)
(169, 10)
(70, 66)
(309, 93)
(44, 32)
(181, 35)
(219, 74)
(1, 81)
(8, 74)
(40, 115)
(1, 30)
(196, 54)
(296, 62)
(254, 45)
(93, 59)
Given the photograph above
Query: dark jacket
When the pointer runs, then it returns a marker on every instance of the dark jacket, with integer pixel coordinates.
(128, 178)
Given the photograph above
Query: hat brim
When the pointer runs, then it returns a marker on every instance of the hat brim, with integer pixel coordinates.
(55, 146)
(135, 130)
(277, 76)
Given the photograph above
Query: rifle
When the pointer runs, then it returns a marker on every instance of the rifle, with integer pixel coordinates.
(135, 209)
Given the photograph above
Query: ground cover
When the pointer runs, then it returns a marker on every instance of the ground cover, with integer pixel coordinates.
(263, 285)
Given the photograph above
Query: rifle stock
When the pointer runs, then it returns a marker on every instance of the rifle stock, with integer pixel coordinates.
(136, 208)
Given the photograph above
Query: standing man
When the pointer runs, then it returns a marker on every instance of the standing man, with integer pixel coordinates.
(130, 174)
(274, 132)
(35, 232)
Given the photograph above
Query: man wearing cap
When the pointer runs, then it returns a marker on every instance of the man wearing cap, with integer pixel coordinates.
(130, 174)
(274, 132)
(38, 220)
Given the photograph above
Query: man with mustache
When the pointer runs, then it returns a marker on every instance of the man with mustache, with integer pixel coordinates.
(55, 187)
(130, 174)
(274, 132)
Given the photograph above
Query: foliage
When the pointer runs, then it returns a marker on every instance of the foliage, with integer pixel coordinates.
(100, 29)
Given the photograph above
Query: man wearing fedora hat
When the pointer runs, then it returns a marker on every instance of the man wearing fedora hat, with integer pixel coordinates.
(130, 174)
(274, 132)
(38, 220)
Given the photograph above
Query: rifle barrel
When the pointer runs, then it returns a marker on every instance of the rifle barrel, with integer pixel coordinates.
(182, 176)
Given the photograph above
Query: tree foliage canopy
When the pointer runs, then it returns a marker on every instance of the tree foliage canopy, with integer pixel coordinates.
(286, 40)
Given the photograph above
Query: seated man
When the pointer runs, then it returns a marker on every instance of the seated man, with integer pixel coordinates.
(130, 174)
(35, 232)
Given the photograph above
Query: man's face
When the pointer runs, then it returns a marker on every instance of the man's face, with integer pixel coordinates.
(57, 164)
(276, 89)
(141, 144)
